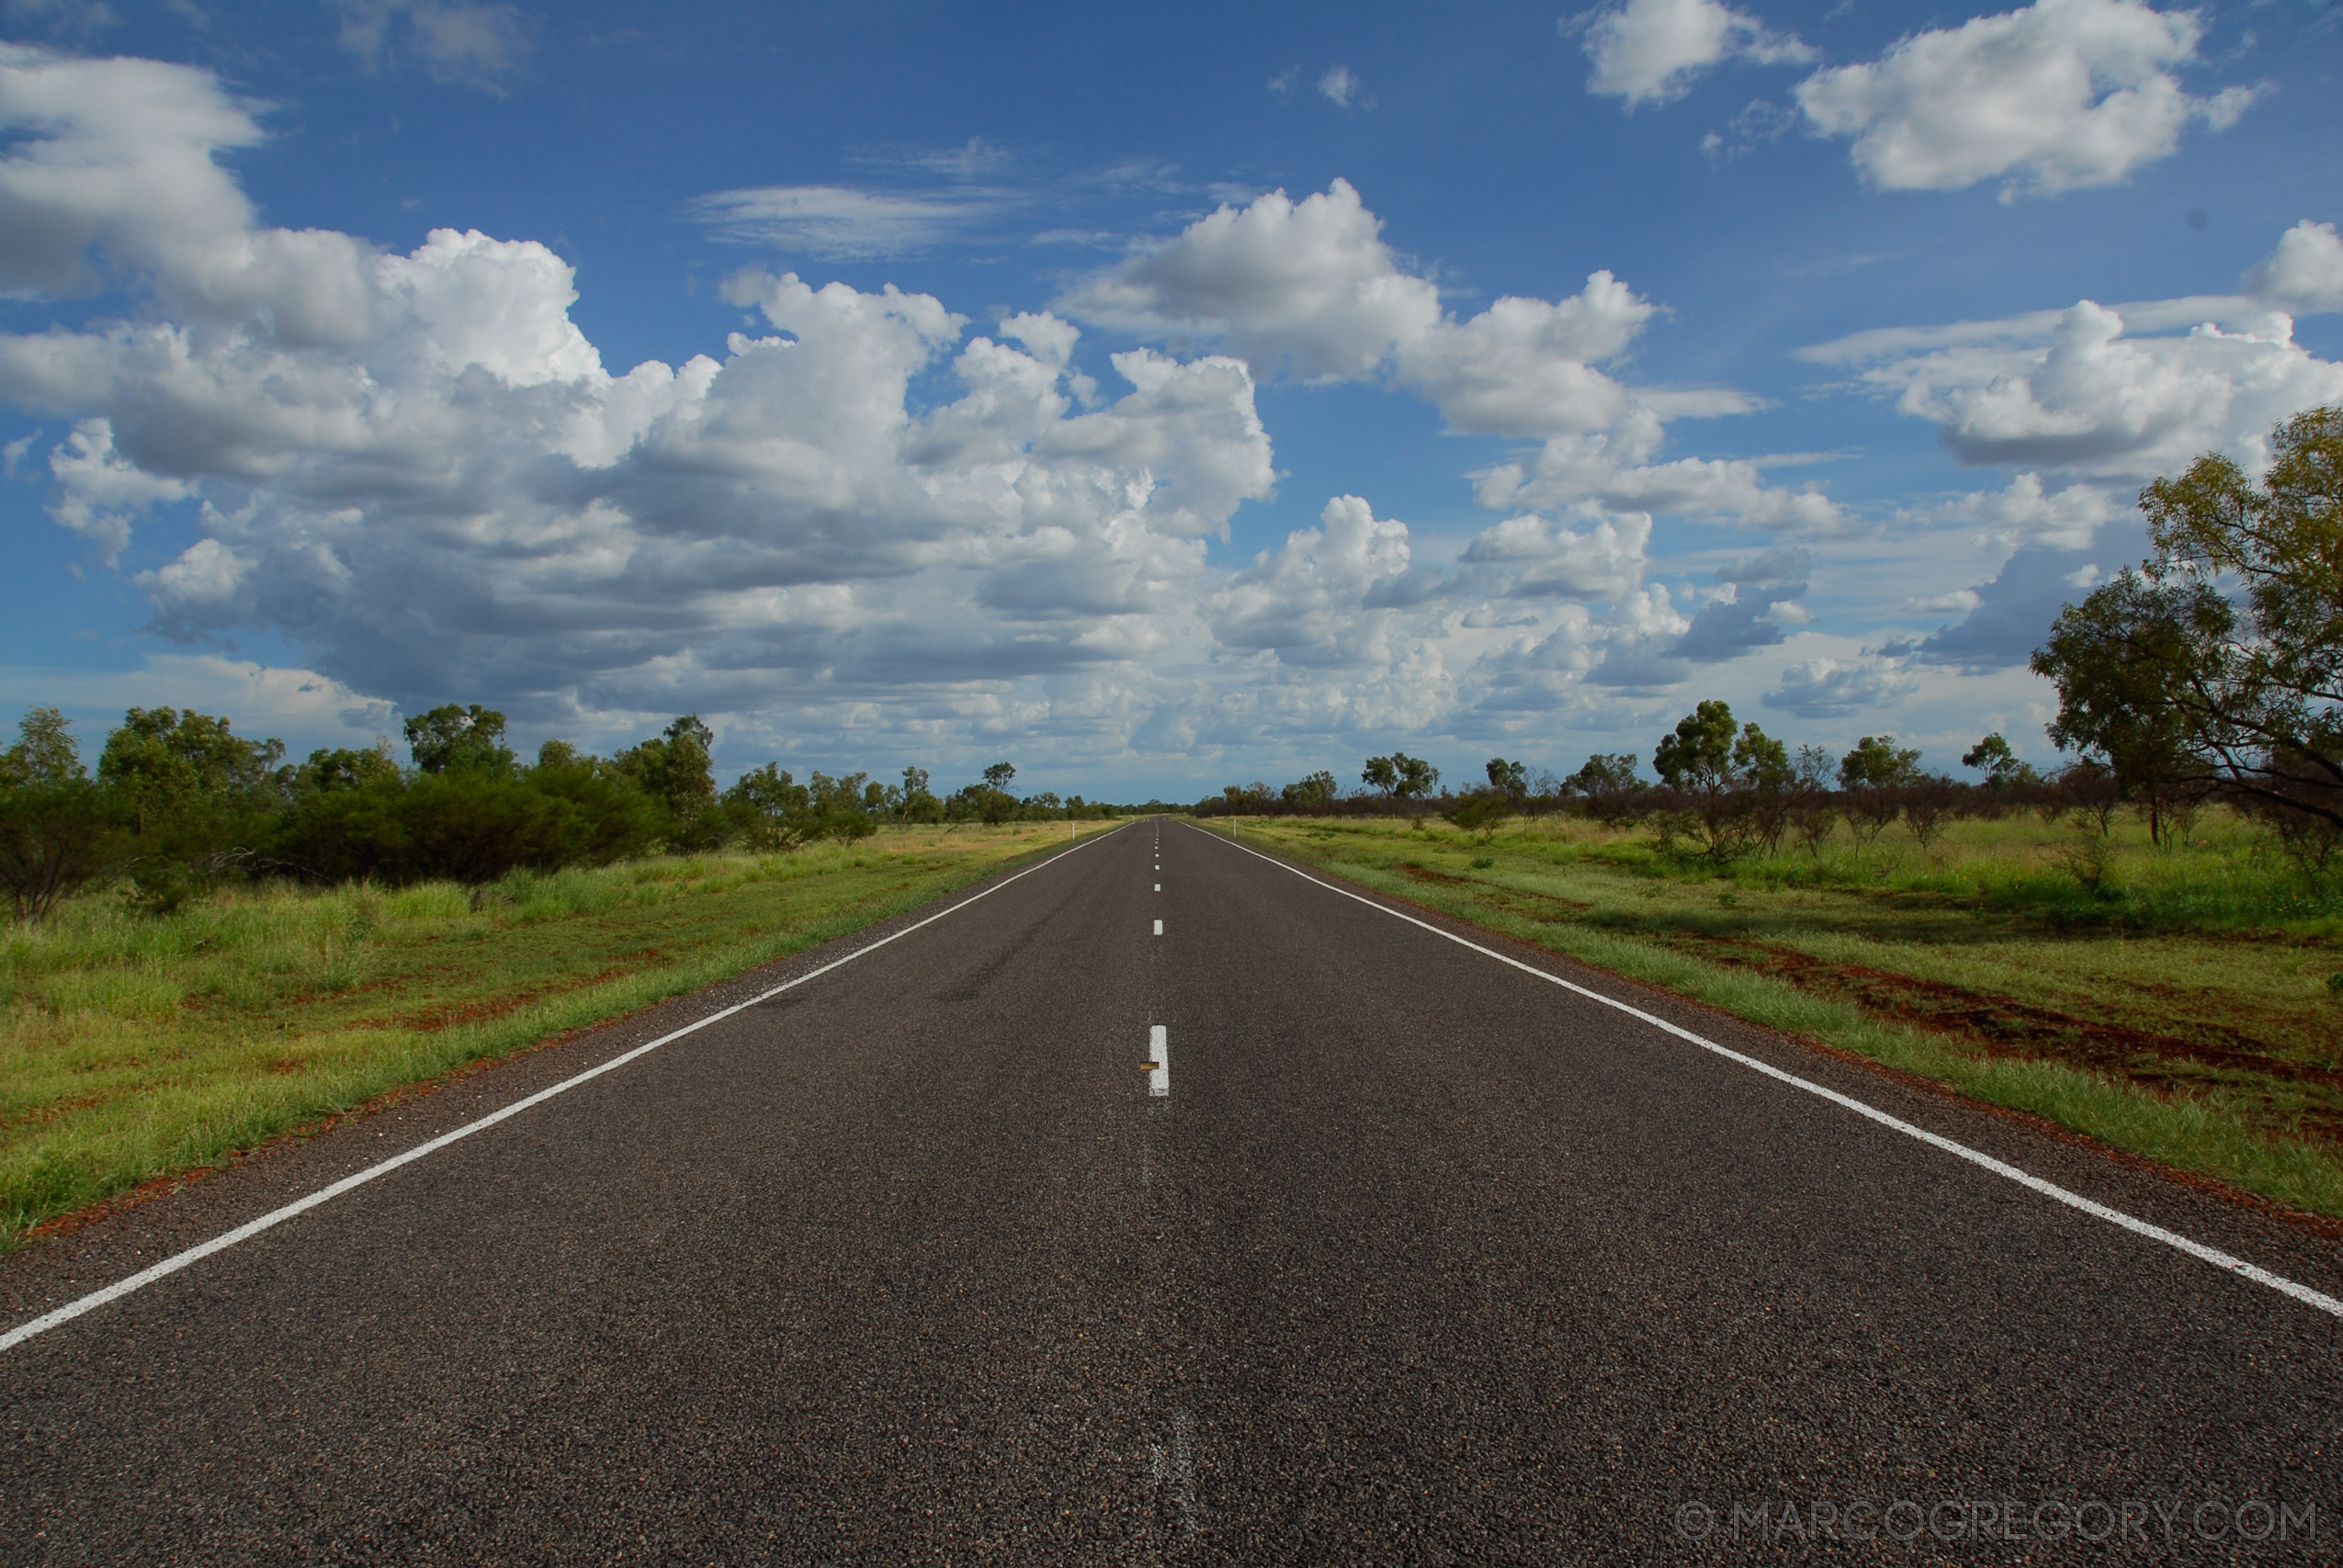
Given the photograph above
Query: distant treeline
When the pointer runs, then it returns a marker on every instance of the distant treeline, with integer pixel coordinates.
(179, 802)
(1724, 791)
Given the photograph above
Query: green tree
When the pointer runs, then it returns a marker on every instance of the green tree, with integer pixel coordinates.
(774, 812)
(1417, 777)
(58, 830)
(674, 769)
(45, 751)
(453, 738)
(1610, 787)
(163, 764)
(1992, 758)
(1509, 779)
(840, 807)
(2245, 693)
(347, 767)
(1813, 811)
(919, 803)
(2125, 661)
(1874, 776)
(200, 801)
(1725, 780)
(1313, 794)
(997, 776)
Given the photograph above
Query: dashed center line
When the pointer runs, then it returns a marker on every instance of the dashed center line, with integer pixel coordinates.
(1159, 928)
(1159, 1060)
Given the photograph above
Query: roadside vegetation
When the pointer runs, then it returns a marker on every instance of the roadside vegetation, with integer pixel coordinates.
(137, 1047)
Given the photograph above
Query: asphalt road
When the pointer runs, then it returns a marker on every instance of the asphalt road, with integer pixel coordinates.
(1390, 1254)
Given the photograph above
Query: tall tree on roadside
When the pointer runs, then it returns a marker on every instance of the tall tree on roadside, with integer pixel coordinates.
(58, 830)
(2248, 690)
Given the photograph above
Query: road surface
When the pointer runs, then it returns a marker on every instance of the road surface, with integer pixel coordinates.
(1162, 1204)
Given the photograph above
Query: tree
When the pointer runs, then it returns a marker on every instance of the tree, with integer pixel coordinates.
(1609, 785)
(1813, 810)
(1381, 775)
(163, 764)
(453, 738)
(2253, 691)
(676, 770)
(773, 810)
(1761, 765)
(1417, 778)
(1314, 794)
(997, 776)
(198, 798)
(1728, 781)
(347, 767)
(840, 807)
(1509, 779)
(1992, 758)
(1874, 776)
(58, 830)
(45, 751)
(470, 825)
(919, 803)
(1245, 800)
(2125, 661)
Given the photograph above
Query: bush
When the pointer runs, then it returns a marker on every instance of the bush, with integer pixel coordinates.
(470, 827)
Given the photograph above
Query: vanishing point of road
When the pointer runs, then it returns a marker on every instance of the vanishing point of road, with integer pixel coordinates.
(1160, 1203)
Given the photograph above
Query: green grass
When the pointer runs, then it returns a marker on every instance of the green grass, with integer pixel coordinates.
(135, 1048)
(2173, 1002)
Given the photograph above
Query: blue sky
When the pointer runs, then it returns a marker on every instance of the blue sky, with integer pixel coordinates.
(1262, 387)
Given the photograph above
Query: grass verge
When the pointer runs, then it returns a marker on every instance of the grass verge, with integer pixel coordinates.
(2209, 1048)
(135, 1049)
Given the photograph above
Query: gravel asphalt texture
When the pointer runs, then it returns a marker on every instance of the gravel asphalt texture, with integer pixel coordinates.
(1420, 1261)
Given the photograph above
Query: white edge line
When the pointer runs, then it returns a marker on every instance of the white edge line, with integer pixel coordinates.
(2197, 1249)
(274, 1217)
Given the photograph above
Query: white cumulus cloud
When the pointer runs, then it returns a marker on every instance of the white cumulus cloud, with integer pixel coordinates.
(1310, 288)
(2057, 96)
(417, 466)
(2304, 274)
(1307, 600)
(1650, 51)
(2104, 392)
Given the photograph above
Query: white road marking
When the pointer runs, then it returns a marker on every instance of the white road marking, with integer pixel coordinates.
(2196, 1249)
(276, 1217)
(1159, 928)
(1177, 1469)
(1159, 1060)
(1159, 887)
